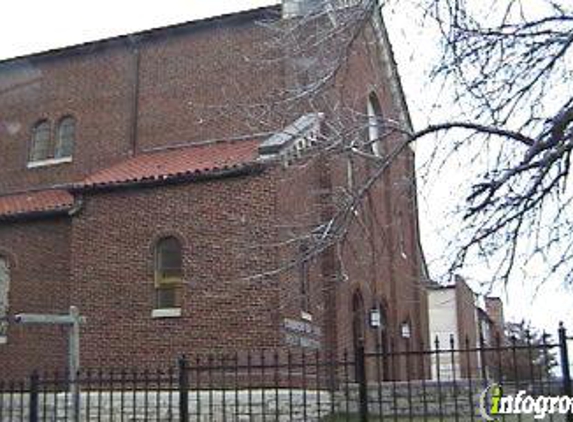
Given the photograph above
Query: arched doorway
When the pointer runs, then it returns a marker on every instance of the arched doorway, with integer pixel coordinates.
(383, 343)
(358, 318)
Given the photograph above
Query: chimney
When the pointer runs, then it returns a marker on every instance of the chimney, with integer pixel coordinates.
(494, 309)
(298, 8)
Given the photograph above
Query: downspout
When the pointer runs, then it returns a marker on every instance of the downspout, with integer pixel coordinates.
(134, 117)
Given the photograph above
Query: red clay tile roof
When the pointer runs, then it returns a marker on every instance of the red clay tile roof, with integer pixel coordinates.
(166, 164)
(35, 202)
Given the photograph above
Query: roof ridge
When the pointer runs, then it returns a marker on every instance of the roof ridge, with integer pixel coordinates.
(193, 144)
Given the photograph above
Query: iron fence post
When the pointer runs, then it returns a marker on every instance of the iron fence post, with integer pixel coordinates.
(183, 389)
(362, 383)
(483, 359)
(565, 370)
(34, 390)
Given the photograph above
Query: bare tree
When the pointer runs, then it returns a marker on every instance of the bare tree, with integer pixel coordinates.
(509, 66)
(529, 354)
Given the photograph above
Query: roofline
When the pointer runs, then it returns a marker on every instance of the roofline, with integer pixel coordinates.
(69, 210)
(246, 169)
(131, 38)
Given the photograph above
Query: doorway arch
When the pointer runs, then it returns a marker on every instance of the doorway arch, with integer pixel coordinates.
(384, 341)
(358, 319)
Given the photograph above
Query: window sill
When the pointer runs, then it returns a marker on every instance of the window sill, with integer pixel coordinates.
(166, 313)
(49, 162)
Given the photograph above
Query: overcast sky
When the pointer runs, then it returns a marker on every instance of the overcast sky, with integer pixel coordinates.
(29, 26)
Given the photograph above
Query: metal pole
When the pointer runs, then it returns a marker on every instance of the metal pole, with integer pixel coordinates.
(74, 362)
(565, 365)
(72, 322)
(482, 359)
(183, 389)
(34, 390)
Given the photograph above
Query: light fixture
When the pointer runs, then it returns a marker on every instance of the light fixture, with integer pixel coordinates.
(375, 318)
(405, 330)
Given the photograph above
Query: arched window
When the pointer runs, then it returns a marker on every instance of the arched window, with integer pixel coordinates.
(66, 137)
(304, 269)
(383, 342)
(40, 148)
(358, 317)
(374, 113)
(4, 288)
(168, 272)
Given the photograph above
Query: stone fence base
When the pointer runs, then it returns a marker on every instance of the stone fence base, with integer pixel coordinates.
(386, 399)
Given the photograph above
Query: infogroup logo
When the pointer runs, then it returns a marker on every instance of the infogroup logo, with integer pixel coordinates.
(494, 403)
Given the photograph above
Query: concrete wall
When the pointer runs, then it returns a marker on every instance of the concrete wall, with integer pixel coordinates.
(443, 319)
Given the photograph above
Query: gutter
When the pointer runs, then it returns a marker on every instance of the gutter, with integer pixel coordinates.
(36, 215)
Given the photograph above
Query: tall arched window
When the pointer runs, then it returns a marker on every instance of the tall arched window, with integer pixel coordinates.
(4, 288)
(168, 272)
(304, 269)
(358, 317)
(374, 113)
(40, 148)
(384, 344)
(66, 137)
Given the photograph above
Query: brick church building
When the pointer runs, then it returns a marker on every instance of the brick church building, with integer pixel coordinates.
(180, 188)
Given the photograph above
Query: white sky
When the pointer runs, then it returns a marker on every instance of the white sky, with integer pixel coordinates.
(28, 26)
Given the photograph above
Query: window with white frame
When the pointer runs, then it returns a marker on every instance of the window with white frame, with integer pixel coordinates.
(47, 150)
(168, 273)
(66, 137)
(40, 150)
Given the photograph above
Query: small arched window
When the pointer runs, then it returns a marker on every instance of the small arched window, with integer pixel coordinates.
(168, 272)
(374, 113)
(66, 137)
(4, 288)
(40, 148)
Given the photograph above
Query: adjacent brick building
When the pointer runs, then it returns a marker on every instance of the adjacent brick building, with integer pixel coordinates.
(166, 184)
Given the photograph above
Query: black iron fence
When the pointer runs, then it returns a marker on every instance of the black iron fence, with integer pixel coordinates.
(393, 382)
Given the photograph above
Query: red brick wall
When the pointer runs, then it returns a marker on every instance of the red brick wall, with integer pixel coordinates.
(467, 322)
(205, 84)
(182, 74)
(226, 225)
(225, 306)
(39, 256)
(62, 86)
(380, 256)
(494, 309)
